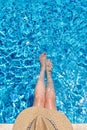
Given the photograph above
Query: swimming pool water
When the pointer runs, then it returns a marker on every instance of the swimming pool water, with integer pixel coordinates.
(30, 27)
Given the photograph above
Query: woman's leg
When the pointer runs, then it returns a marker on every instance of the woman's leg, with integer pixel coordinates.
(39, 94)
(50, 101)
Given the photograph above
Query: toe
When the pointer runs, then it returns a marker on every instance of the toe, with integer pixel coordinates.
(42, 55)
(49, 62)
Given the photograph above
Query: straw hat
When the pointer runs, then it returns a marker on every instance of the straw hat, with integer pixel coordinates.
(38, 118)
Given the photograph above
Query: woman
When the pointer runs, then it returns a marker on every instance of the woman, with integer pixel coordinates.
(43, 115)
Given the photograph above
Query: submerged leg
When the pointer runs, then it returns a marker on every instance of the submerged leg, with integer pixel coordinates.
(50, 101)
(39, 94)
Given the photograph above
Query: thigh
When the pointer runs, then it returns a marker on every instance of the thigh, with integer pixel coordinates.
(50, 100)
(50, 105)
(39, 102)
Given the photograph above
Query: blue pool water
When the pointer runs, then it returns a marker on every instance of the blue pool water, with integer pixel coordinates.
(30, 27)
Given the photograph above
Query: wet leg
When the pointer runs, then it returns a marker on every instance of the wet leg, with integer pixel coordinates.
(39, 94)
(50, 97)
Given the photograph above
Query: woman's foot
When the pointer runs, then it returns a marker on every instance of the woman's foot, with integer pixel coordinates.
(48, 66)
(43, 61)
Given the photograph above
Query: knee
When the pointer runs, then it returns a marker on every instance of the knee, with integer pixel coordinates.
(50, 97)
(50, 100)
(38, 97)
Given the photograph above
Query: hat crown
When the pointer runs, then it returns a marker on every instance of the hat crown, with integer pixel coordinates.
(41, 123)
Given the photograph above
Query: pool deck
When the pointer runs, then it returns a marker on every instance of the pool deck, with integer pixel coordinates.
(75, 126)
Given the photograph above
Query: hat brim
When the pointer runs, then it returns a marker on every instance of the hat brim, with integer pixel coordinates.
(28, 115)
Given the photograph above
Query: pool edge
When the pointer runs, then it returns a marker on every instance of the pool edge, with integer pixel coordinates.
(75, 126)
